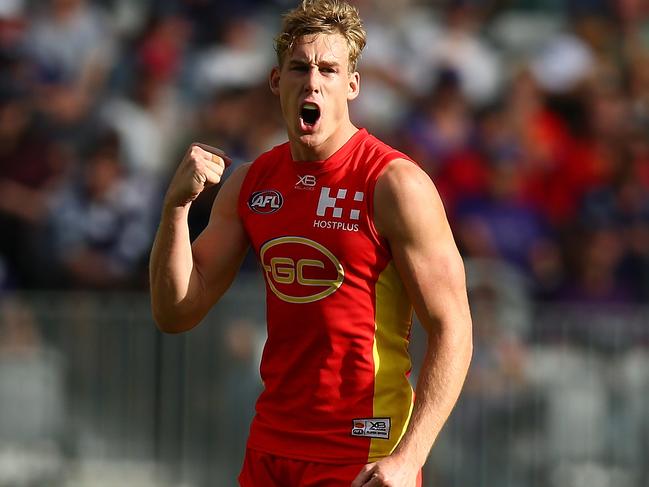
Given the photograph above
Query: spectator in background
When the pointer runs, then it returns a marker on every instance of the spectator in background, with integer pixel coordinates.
(622, 207)
(538, 139)
(501, 224)
(69, 48)
(441, 135)
(32, 165)
(238, 61)
(100, 223)
(579, 92)
(390, 79)
(149, 123)
(210, 17)
(150, 115)
(596, 278)
(456, 42)
(72, 40)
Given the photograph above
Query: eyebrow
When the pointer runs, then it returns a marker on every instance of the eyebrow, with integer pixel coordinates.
(303, 62)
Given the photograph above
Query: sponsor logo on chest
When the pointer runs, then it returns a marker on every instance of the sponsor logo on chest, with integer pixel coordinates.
(338, 210)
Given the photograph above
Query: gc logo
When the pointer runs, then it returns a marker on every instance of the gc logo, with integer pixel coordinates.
(310, 274)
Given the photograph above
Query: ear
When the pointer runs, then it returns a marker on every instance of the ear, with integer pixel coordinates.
(273, 80)
(354, 85)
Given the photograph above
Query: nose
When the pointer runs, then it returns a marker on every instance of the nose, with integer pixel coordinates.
(311, 84)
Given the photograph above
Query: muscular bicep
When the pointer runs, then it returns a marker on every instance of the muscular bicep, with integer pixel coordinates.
(410, 216)
(219, 250)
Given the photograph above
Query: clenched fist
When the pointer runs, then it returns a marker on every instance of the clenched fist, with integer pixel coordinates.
(201, 167)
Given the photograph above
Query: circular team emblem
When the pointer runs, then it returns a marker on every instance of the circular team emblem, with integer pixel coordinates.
(300, 270)
(267, 201)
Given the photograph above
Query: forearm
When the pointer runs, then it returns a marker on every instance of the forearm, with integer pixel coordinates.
(171, 267)
(439, 384)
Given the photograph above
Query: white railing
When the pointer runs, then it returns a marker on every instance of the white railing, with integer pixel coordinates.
(92, 394)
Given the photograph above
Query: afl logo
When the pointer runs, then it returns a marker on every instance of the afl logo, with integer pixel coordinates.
(299, 270)
(268, 201)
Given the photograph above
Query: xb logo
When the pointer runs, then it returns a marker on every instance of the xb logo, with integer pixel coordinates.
(307, 180)
(372, 427)
(311, 272)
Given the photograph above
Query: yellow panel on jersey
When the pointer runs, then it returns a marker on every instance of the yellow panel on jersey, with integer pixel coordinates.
(393, 395)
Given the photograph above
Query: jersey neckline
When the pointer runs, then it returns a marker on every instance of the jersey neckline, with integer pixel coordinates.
(332, 162)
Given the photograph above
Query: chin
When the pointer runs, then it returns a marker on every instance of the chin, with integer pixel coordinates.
(310, 140)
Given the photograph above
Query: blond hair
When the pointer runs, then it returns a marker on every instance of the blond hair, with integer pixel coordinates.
(322, 17)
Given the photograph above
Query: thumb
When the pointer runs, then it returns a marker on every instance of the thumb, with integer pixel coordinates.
(364, 475)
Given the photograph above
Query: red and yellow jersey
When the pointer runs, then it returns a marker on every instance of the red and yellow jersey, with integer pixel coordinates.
(335, 365)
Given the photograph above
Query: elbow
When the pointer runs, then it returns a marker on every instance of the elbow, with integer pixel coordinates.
(171, 323)
(168, 327)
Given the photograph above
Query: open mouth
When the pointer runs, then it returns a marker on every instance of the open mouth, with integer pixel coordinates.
(310, 114)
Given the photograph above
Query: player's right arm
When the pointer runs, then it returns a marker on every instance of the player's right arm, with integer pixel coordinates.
(187, 279)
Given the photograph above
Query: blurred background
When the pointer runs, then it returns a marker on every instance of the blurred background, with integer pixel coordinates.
(532, 118)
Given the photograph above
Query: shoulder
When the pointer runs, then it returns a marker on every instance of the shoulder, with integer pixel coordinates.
(405, 197)
(403, 178)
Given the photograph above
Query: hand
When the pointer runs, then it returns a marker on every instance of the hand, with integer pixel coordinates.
(201, 167)
(391, 471)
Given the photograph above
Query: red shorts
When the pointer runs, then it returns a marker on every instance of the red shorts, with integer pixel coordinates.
(263, 469)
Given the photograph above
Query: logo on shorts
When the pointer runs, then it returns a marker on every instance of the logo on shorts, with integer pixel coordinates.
(371, 428)
(268, 201)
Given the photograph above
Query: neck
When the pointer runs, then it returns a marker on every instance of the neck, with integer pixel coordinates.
(302, 150)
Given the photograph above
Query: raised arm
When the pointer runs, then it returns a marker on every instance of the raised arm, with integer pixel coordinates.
(409, 214)
(187, 279)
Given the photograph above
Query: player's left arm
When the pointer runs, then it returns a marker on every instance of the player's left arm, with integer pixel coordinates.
(409, 214)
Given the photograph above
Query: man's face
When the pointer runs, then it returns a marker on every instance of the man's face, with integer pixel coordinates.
(314, 86)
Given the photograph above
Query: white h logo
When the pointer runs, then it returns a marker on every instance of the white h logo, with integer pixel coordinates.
(327, 201)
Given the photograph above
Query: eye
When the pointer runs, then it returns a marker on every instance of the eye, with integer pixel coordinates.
(300, 68)
(327, 70)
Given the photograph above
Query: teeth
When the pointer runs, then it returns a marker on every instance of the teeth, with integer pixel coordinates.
(310, 106)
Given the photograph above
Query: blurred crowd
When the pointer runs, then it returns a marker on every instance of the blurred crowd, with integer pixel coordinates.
(532, 118)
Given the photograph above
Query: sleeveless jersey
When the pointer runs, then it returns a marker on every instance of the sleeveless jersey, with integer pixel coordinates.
(335, 364)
